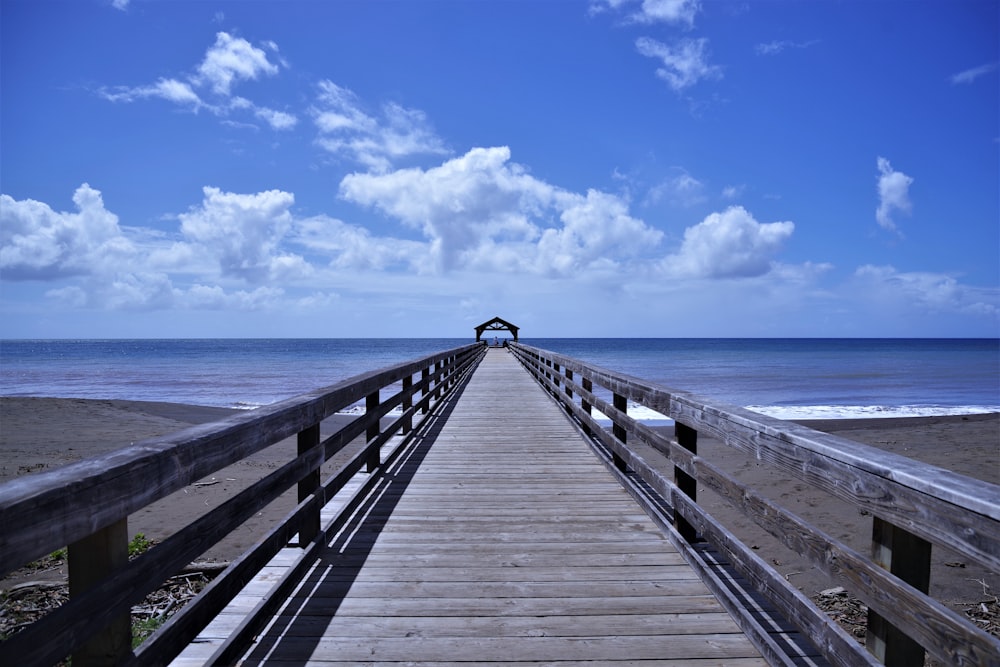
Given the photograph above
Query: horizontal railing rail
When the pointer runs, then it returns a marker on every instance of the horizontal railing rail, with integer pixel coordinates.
(86, 505)
(913, 505)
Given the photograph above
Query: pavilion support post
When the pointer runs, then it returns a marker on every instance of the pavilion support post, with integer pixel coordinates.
(620, 403)
(307, 440)
(90, 560)
(373, 431)
(908, 557)
(687, 438)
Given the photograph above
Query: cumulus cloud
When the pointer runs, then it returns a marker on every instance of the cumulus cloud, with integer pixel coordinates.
(596, 229)
(38, 243)
(347, 130)
(355, 248)
(685, 62)
(243, 231)
(731, 244)
(893, 194)
(229, 61)
(480, 210)
(970, 75)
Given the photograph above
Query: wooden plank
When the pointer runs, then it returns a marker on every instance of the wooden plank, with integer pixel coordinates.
(517, 626)
(502, 650)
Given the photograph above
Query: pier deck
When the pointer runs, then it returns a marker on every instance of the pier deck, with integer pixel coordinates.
(500, 538)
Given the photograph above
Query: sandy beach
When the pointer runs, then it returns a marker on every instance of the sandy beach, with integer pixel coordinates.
(38, 434)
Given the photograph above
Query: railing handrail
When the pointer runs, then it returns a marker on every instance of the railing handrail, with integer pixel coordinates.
(914, 499)
(46, 511)
(69, 505)
(966, 493)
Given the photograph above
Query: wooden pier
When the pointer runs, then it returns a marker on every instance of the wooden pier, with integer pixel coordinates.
(500, 538)
(484, 516)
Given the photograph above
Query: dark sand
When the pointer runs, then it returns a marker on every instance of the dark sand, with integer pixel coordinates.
(38, 434)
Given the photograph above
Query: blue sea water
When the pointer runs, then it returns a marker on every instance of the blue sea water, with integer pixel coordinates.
(789, 378)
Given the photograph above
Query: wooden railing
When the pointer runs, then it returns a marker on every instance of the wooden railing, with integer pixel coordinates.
(86, 505)
(913, 505)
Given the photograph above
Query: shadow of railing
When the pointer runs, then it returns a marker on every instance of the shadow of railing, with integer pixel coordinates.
(337, 566)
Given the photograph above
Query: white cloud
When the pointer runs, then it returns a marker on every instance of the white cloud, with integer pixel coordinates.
(731, 244)
(482, 211)
(354, 248)
(684, 63)
(596, 229)
(278, 120)
(893, 194)
(680, 190)
(120, 4)
(970, 75)
(41, 244)
(673, 12)
(232, 59)
(669, 11)
(171, 90)
(927, 291)
(777, 46)
(213, 297)
(345, 129)
(242, 231)
(460, 203)
(733, 191)
(229, 61)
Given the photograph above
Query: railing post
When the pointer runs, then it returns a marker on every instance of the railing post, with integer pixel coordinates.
(374, 428)
(308, 439)
(556, 380)
(407, 424)
(687, 438)
(620, 403)
(908, 557)
(425, 380)
(569, 390)
(90, 560)
(438, 368)
(587, 386)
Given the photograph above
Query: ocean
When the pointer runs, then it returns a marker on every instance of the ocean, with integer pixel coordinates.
(785, 378)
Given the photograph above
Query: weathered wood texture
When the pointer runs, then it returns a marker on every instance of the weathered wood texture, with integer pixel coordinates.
(932, 504)
(41, 513)
(500, 539)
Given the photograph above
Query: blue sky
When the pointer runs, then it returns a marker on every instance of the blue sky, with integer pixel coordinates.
(604, 168)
